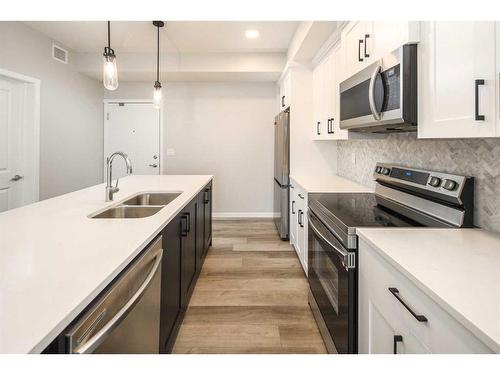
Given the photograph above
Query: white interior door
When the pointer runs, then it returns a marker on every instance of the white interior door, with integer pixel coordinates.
(11, 143)
(133, 128)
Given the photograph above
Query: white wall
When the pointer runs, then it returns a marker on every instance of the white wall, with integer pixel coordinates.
(224, 129)
(70, 114)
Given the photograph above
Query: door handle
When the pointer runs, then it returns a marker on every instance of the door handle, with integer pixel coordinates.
(206, 200)
(366, 37)
(153, 165)
(360, 59)
(301, 215)
(395, 293)
(282, 101)
(397, 338)
(317, 128)
(293, 207)
(477, 83)
(298, 218)
(371, 93)
(17, 178)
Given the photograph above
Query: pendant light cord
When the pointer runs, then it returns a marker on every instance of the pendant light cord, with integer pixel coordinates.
(109, 34)
(158, 54)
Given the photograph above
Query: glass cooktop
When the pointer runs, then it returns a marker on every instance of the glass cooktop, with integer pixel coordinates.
(358, 210)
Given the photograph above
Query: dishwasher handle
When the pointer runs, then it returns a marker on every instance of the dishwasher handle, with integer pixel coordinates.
(105, 331)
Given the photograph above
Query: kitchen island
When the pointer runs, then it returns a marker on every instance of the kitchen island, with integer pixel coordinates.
(55, 259)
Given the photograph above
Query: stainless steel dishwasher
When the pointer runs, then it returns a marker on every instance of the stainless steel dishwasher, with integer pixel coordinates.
(126, 319)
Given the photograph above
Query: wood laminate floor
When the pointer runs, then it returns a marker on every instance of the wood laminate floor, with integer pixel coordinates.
(251, 296)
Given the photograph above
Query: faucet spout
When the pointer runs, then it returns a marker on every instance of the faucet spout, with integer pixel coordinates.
(110, 189)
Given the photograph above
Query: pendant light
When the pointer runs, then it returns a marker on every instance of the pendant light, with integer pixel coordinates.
(109, 71)
(157, 95)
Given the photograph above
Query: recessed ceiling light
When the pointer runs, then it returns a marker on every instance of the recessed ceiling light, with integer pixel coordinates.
(252, 34)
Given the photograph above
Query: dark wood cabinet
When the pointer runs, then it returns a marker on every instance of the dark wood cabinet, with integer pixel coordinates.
(186, 240)
(188, 251)
(171, 284)
(200, 231)
(207, 202)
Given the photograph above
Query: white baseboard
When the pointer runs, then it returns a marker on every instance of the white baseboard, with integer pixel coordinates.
(243, 215)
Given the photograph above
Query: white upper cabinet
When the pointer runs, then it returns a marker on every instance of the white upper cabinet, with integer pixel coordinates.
(363, 42)
(457, 80)
(326, 96)
(285, 94)
(357, 45)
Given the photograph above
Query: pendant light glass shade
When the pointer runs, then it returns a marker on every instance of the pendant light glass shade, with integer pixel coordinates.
(157, 95)
(109, 70)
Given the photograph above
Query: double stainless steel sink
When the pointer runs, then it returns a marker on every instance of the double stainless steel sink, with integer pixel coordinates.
(138, 206)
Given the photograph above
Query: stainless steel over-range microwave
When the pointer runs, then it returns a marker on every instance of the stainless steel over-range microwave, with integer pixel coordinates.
(382, 97)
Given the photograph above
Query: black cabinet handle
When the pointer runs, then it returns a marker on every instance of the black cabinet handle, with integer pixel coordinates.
(205, 199)
(360, 59)
(478, 82)
(366, 37)
(397, 338)
(330, 126)
(184, 231)
(293, 207)
(317, 128)
(298, 218)
(188, 220)
(395, 293)
(282, 101)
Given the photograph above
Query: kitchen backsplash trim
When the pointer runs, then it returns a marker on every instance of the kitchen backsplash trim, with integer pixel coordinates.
(479, 158)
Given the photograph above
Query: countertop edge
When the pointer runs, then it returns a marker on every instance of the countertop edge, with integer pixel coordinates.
(52, 334)
(476, 331)
(356, 186)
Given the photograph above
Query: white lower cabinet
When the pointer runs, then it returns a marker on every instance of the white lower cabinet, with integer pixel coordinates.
(387, 326)
(298, 222)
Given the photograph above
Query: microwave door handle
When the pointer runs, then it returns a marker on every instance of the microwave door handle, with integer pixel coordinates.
(91, 344)
(371, 93)
(341, 252)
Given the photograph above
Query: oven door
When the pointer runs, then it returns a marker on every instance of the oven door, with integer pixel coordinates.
(331, 285)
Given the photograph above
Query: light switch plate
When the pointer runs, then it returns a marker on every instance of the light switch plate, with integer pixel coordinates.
(170, 151)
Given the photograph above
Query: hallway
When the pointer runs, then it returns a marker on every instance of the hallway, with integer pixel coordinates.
(251, 296)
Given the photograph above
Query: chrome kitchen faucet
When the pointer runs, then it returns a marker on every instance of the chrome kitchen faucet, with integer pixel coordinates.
(110, 189)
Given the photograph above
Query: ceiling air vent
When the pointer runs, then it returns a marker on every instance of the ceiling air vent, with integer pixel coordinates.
(59, 54)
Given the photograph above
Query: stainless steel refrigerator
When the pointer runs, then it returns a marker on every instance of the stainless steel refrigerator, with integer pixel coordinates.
(281, 171)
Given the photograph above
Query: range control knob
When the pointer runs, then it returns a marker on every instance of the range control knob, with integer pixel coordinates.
(378, 169)
(434, 181)
(385, 171)
(449, 185)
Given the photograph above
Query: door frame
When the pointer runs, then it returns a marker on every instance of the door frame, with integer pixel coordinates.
(107, 102)
(31, 126)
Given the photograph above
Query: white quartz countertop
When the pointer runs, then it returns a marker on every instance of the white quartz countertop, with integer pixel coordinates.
(54, 259)
(329, 184)
(458, 268)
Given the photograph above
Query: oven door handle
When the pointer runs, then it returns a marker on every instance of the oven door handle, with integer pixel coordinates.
(341, 252)
(371, 93)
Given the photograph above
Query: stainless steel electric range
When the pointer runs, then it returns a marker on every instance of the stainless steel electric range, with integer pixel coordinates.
(404, 197)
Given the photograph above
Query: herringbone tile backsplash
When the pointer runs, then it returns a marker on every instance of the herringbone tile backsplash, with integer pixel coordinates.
(479, 158)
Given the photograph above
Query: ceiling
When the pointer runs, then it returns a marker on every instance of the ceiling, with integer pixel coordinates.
(177, 36)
